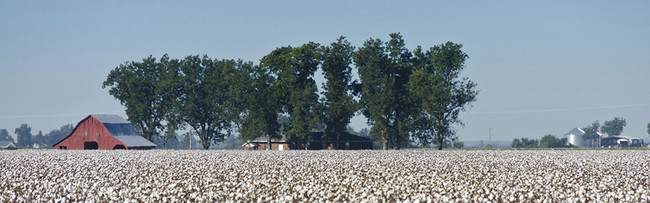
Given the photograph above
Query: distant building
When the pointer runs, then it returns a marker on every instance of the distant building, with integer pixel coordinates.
(576, 138)
(104, 132)
(622, 141)
(7, 145)
(346, 142)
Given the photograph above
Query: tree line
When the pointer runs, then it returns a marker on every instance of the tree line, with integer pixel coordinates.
(25, 138)
(406, 95)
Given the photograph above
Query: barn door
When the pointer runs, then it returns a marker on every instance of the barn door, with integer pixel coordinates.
(90, 145)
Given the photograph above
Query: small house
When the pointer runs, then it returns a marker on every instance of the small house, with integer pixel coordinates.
(104, 132)
(318, 142)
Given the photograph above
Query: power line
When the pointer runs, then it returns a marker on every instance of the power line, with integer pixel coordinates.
(559, 110)
(57, 115)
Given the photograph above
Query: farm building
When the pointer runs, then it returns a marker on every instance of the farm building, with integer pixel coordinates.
(348, 142)
(104, 132)
(622, 141)
(576, 138)
(7, 145)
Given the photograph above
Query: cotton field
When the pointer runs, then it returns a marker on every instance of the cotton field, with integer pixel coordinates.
(327, 176)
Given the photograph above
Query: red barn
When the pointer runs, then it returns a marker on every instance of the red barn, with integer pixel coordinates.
(104, 132)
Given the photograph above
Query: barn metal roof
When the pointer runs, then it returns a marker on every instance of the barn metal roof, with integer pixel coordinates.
(135, 141)
(110, 118)
(123, 131)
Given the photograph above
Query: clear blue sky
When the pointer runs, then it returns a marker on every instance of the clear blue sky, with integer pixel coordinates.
(541, 67)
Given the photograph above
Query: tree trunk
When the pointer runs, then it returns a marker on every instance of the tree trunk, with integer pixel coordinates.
(268, 143)
(384, 144)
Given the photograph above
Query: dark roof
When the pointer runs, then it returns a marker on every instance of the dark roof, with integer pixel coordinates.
(347, 137)
(318, 137)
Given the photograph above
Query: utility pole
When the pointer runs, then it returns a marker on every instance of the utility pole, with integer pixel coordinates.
(490, 137)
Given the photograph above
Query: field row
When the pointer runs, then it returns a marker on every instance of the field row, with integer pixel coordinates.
(408, 175)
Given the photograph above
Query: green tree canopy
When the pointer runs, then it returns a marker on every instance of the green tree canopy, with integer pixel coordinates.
(262, 105)
(146, 89)
(613, 127)
(205, 102)
(439, 93)
(550, 141)
(339, 101)
(384, 69)
(524, 143)
(295, 86)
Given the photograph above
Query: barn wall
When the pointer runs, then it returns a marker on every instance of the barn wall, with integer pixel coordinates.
(90, 130)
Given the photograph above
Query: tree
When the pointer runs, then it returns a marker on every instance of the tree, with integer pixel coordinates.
(613, 127)
(295, 86)
(384, 69)
(648, 128)
(262, 105)
(4, 135)
(339, 104)
(24, 135)
(39, 139)
(204, 102)
(146, 89)
(524, 143)
(591, 132)
(550, 141)
(438, 93)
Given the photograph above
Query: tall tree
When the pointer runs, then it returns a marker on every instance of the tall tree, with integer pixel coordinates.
(438, 92)
(294, 68)
(591, 132)
(4, 135)
(261, 105)
(613, 127)
(339, 101)
(24, 135)
(205, 103)
(146, 89)
(384, 69)
(648, 128)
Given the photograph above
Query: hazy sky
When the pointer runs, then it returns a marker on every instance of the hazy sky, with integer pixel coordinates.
(542, 67)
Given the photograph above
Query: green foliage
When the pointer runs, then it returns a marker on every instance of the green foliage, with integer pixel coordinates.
(262, 104)
(438, 93)
(339, 104)
(295, 86)
(648, 128)
(524, 143)
(613, 127)
(384, 69)
(147, 91)
(550, 141)
(24, 136)
(4, 136)
(206, 103)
